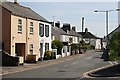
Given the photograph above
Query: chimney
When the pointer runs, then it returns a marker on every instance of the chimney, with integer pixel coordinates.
(66, 26)
(73, 28)
(52, 24)
(16, 2)
(82, 24)
(86, 30)
(57, 24)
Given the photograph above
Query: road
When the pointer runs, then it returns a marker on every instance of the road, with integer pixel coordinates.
(73, 69)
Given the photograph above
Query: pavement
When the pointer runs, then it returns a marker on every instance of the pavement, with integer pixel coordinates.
(39, 64)
(111, 71)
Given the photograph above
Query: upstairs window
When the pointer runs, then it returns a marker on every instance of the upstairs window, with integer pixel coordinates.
(19, 26)
(47, 30)
(31, 27)
(41, 30)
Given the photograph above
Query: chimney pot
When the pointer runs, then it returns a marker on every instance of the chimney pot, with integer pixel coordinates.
(16, 2)
(73, 28)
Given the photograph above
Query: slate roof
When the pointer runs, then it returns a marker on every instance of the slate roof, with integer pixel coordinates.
(88, 35)
(56, 30)
(74, 33)
(116, 30)
(17, 9)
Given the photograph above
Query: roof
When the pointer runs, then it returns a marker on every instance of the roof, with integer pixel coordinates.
(74, 33)
(23, 11)
(56, 30)
(88, 35)
(116, 30)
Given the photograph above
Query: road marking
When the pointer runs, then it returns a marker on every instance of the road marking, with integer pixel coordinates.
(115, 62)
(110, 62)
(75, 63)
(86, 73)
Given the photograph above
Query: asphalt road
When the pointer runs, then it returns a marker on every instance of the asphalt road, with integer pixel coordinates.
(72, 70)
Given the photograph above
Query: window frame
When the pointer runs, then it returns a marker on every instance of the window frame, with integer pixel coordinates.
(46, 48)
(47, 30)
(31, 49)
(31, 27)
(41, 28)
(19, 26)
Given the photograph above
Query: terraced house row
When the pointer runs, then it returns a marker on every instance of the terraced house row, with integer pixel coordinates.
(26, 33)
(23, 31)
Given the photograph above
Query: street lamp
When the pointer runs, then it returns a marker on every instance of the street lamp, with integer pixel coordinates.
(106, 12)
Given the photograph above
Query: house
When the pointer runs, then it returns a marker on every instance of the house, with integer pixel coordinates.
(44, 37)
(90, 38)
(20, 30)
(116, 30)
(60, 34)
(74, 37)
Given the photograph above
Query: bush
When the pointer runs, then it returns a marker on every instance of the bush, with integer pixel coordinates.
(48, 55)
(56, 44)
(113, 57)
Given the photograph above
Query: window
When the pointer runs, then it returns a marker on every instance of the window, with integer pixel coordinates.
(41, 30)
(31, 48)
(31, 27)
(47, 30)
(67, 48)
(46, 46)
(19, 26)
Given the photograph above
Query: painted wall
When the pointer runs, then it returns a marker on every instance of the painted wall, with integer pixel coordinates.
(98, 44)
(45, 39)
(6, 30)
(15, 36)
(33, 38)
(25, 37)
(64, 38)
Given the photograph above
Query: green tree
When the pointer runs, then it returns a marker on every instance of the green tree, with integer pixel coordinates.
(114, 45)
(56, 44)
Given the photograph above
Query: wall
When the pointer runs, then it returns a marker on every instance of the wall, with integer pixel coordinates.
(15, 36)
(64, 38)
(45, 39)
(33, 38)
(6, 30)
(98, 44)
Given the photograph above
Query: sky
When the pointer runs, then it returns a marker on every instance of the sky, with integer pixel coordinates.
(72, 12)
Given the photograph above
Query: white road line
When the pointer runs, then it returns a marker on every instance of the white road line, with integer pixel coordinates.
(110, 62)
(75, 63)
(86, 73)
(115, 62)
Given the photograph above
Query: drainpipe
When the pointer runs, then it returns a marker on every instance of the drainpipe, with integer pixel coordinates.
(26, 46)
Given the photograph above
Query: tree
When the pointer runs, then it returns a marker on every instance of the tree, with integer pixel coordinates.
(56, 44)
(114, 44)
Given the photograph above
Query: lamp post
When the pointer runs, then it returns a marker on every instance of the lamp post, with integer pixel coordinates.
(107, 23)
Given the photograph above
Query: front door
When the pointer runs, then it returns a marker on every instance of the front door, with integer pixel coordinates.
(41, 50)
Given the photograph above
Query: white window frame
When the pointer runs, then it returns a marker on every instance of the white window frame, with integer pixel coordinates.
(19, 26)
(31, 27)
